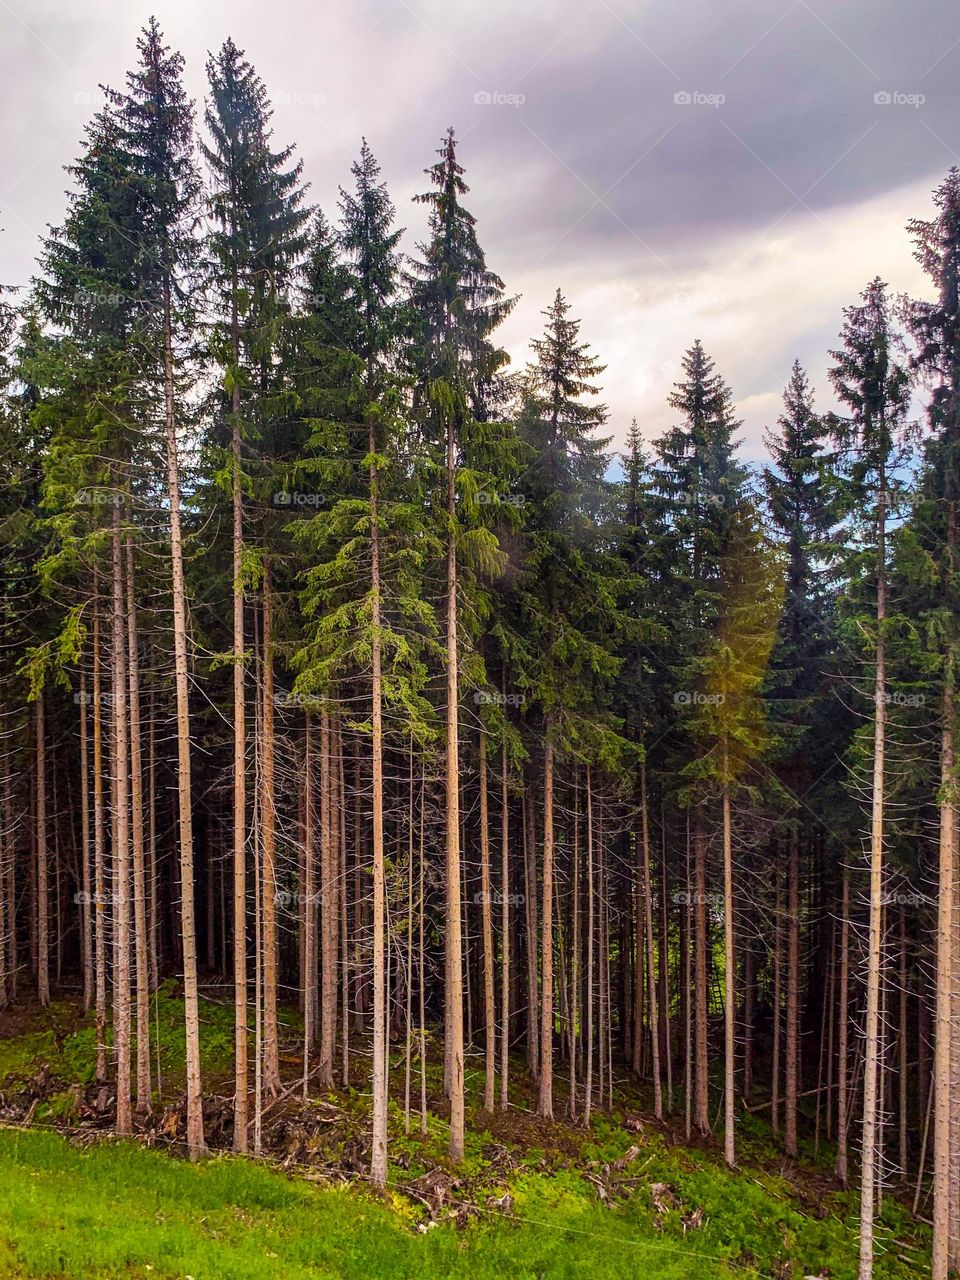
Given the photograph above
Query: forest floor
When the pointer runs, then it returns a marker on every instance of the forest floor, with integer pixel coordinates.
(532, 1198)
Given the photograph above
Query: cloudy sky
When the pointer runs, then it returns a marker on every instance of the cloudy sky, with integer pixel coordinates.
(730, 171)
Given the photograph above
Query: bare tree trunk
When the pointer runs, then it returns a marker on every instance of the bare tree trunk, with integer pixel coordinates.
(793, 996)
(421, 972)
(777, 1000)
(902, 1050)
(408, 1018)
(309, 976)
(195, 1141)
(344, 915)
(843, 1025)
(945, 981)
(271, 1048)
(486, 910)
(575, 950)
(532, 923)
(729, 976)
(139, 871)
(872, 1029)
(588, 1080)
(86, 916)
(687, 999)
(154, 929)
(453, 941)
(651, 975)
(99, 841)
(701, 1083)
(241, 1104)
(545, 1106)
(121, 844)
(329, 911)
(504, 932)
(665, 963)
(42, 857)
(378, 1162)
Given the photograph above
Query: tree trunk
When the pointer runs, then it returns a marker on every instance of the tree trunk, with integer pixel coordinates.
(99, 841)
(42, 857)
(489, 1010)
(271, 1051)
(328, 912)
(504, 932)
(945, 978)
(378, 1162)
(240, 1105)
(868, 1171)
(309, 917)
(139, 871)
(701, 1081)
(588, 1069)
(843, 1025)
(793, 997)
(121, 844)
(545, 1105)
(729, 977)
(195, 1141)
(651, 975)
(453, 942)
(86, 915)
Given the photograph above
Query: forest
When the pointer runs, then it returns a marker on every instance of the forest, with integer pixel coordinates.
(418, 764)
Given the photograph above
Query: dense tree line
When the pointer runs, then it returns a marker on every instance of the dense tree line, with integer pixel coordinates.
(349, 666)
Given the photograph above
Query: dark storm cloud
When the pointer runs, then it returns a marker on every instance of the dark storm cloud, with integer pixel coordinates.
(723, 170)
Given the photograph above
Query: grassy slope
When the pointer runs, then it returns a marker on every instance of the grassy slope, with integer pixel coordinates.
(117, 1209)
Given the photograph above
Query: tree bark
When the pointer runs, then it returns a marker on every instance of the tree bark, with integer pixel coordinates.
(868, 1171)
(195, 1140)
(121, 843)
(139, 872)
(489, 1009)
(944, 985)
(651, 975)
(545, 1105)
(271, 1050)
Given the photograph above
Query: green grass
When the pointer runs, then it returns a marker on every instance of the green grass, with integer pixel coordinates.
(111, 1209)
(115, 1209)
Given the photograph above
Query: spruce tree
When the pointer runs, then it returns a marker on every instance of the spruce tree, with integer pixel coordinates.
(458, 303)
(255, 202)
(156, 123)
(873, 385)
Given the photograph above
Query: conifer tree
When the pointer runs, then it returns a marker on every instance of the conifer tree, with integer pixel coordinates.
(874, 388)
(256, 205)
(156, 126)
(458, 304)
(935, 327)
